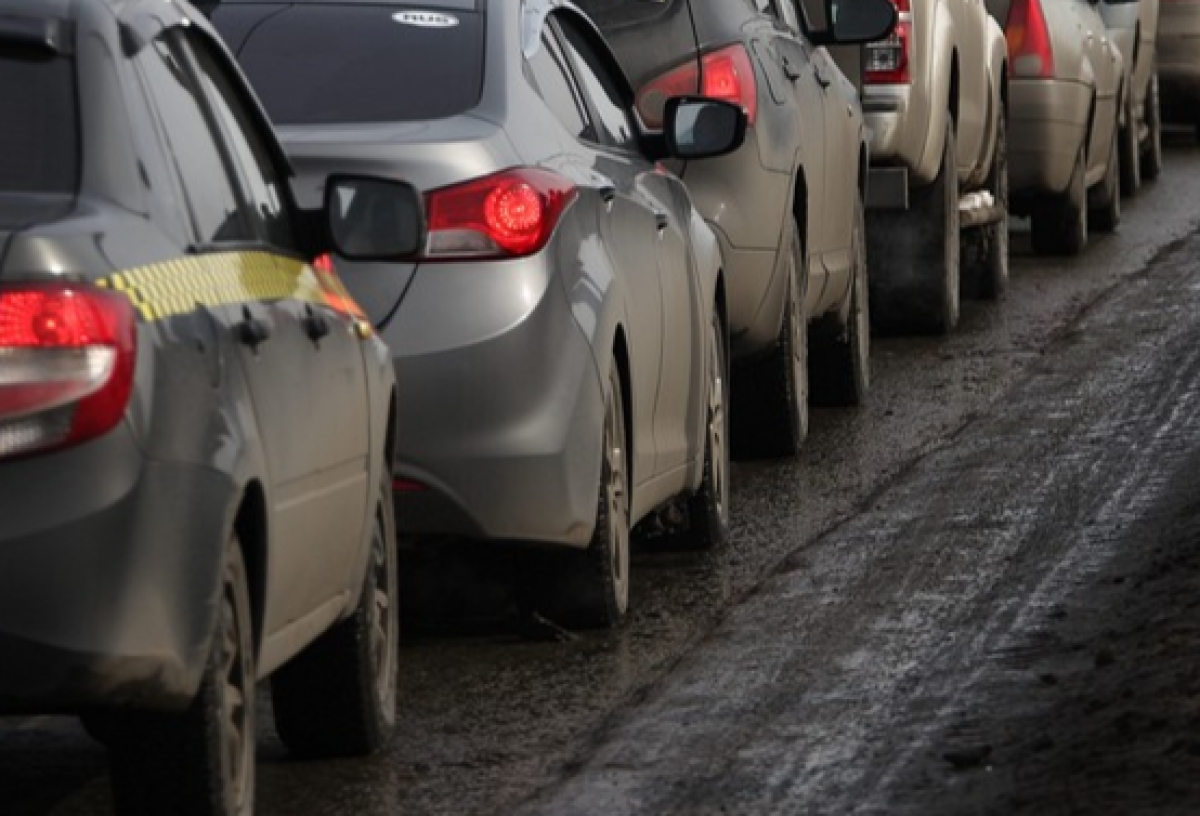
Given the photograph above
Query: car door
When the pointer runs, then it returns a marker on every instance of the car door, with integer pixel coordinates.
(610, 98)
(303, 366)
(628, 231)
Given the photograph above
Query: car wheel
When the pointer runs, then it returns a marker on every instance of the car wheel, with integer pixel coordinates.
(338, 697)
(1130, 161)
(841, 361)
(199, 762)
(708, 507)
(1152, 156)
(1106, 213)
(985, 269)
(915, 280)
(590, 589)
(770, 402)
(1060, 226)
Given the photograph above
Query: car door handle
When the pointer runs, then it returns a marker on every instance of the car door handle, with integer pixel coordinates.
(822, 80)
(252, 331)
(661, 222)
(790, 71)
(608, 194)
(315, 325)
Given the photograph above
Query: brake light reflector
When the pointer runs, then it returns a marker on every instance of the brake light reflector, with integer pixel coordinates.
(887, 60)
(727, 74)
(1030, 50)
(507, 215)
(67, 356)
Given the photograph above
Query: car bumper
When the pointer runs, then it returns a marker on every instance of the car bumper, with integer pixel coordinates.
(1179, 58)
(885, 112)
(108, 578)
(1047, 126)
(500, 408)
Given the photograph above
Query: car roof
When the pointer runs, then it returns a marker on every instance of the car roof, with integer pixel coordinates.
(453, 5)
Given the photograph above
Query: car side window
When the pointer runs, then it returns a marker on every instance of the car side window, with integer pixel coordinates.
(263, 182)
(614, 123)
(207, 187)
(552, 79)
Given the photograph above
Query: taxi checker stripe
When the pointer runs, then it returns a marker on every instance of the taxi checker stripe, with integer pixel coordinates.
(175, 287)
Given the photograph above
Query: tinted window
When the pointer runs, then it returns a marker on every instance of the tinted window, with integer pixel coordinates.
(39, 130)
(264, 184)
(552, 80)
(602, 88)
(193, 146)
(314, 64)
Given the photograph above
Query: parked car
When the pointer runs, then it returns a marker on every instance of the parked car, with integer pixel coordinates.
(195, 422)
(1133, 25)
(1179, 61)
(1065, 98)
(787, 207)
(935, 96)
(562, 338)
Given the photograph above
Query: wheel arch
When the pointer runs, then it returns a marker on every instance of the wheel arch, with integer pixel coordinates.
(622, 361)
(250, 525)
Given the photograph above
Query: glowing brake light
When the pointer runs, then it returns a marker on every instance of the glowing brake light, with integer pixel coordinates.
(1030, 51)
(887, 61)
(67, 355)
(510, 214)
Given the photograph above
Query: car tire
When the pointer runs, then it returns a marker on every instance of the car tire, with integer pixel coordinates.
(1152, 153)
(1105, 215)
(1130, 153)
(770, 400)
(915, 282)
(337, 698)
(590, 589)
(985, 262)
(708, 508)
(840, 365)
(199, 762)
(1060, 226)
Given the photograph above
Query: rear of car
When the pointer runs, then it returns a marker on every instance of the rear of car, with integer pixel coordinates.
(502, 397)
(92, 607)
(1179, 59)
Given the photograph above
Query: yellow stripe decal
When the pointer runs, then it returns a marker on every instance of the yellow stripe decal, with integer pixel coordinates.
(162, 290)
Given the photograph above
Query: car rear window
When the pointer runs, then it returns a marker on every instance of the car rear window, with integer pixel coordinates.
(39, 127)
(323, 64)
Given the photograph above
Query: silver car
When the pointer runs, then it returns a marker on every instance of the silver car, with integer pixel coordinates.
(562, 343)
(1179, 60)
(1133, 25)
(1065, 96)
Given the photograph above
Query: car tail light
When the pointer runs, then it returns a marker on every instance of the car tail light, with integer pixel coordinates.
(67, 356)
(1030, 52)
(408, 486)
(727, 74)
(511, 214)
(887, 60)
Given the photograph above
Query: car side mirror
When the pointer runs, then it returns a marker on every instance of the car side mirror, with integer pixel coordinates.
(699, 128)
(855, 22)
(374, 219)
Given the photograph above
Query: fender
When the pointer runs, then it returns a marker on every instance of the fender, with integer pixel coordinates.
(997, 61)
(938, 81)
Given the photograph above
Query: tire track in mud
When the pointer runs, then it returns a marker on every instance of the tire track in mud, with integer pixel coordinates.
(826, 690)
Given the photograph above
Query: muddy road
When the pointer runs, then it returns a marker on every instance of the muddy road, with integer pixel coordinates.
(978, 594)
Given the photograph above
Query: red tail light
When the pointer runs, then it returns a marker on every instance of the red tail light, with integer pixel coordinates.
(67, 356)
(507, 215)
(1030, 51)
(727, 74)
(887, 60)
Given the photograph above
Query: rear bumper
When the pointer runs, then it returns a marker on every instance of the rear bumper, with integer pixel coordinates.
(1179, 58)
(108, 578)
(1048, 122)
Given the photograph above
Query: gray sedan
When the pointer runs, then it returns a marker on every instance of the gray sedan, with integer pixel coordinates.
(562, 342)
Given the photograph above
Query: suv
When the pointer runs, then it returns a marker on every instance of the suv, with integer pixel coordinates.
(188, 508)
(787, 206)
(935, 100)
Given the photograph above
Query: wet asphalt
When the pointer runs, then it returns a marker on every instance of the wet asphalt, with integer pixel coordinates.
(975, 595)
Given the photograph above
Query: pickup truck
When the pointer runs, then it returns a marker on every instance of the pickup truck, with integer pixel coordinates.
(934, 95)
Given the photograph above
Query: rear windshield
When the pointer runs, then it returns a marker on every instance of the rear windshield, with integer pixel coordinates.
(322, 64)
(39, 129)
